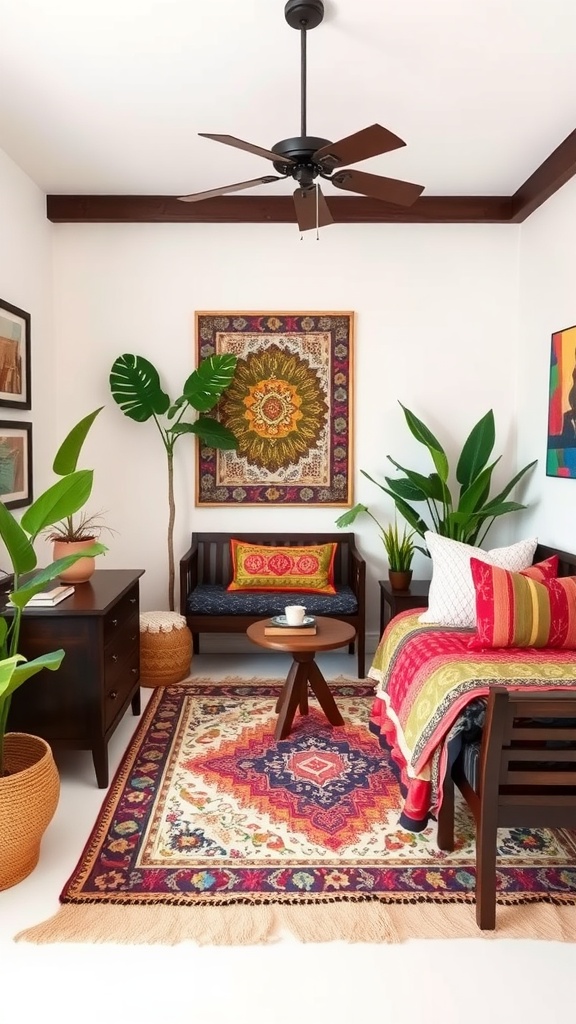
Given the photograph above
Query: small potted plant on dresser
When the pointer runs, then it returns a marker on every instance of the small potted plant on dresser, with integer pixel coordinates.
(73, 537)
(399, 547)
(400, 551)
(29, 782)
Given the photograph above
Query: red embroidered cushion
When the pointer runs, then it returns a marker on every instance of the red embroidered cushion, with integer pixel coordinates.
(523, 609)
(305, 569)
(546, 570)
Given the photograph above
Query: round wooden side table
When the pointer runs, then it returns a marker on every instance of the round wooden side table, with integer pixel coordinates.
(330, 634)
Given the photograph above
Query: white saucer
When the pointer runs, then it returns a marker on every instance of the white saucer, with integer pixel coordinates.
(281, 620)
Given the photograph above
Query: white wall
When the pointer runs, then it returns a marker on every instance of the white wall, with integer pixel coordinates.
(26, 282)
(436, 328)
(547, 305)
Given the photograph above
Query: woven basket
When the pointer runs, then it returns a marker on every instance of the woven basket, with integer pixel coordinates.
(28, 799)
(165, 648)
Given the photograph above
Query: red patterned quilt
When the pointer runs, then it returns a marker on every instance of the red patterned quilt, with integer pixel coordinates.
(426, 676)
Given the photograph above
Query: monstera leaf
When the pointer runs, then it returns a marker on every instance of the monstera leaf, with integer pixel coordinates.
(136, 388)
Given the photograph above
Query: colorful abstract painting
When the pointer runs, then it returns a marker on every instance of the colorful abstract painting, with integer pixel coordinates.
(561, 449)
(289, 407)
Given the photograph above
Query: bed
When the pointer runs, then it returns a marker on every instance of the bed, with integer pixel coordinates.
(431, 690)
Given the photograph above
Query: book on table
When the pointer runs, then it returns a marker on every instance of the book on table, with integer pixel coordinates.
(50, 597)
(289, 630)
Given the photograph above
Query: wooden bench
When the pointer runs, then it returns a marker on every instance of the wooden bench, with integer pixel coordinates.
(206, 571)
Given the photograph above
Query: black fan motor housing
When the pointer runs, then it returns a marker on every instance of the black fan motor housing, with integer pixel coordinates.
(301, 150)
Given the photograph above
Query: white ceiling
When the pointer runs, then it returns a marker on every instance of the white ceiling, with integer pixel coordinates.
(107, 96)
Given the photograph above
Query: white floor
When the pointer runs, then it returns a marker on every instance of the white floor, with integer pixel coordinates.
(472, 981)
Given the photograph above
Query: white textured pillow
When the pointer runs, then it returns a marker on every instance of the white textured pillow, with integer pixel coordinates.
(452, 600)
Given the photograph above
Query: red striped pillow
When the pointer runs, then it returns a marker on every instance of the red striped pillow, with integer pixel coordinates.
(523, 609)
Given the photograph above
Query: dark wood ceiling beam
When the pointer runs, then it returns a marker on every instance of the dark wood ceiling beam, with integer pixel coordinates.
(554, 172)
(272, 209)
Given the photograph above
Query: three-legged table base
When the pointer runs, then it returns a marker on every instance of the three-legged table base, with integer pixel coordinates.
(294, 694)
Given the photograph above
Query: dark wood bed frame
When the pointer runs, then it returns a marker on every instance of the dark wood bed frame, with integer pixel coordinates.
(526, 778)
(566, 564)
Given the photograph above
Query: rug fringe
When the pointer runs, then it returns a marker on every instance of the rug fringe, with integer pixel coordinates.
(249, 925)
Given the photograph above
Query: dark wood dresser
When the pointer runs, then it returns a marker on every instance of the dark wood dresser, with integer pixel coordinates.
(80, 705)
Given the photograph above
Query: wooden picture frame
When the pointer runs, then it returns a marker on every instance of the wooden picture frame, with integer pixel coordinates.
(15, 463)
(14, 357)
(561, 445)
(289, 406)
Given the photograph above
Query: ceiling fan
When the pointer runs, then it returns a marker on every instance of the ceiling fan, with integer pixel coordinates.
(306, 158)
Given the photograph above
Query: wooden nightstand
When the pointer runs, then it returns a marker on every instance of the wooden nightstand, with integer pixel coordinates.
(394, 601)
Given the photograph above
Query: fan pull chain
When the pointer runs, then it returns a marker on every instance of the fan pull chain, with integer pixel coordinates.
(317, 226)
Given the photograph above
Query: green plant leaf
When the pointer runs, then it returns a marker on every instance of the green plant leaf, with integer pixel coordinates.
(347, 518)
(135, 387)
(421, 432)
(429, 488)
(68, 453)
(206, 384)
(17, 543)
(472, 499)
(476, 451)
(504, 493)
(410, 514)
(404, 488)
(490, 511)
(64, 498)
(213, 433)
(36, 583)
(16, 670)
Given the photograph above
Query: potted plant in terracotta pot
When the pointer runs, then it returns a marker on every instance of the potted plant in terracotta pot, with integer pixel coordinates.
(399, 547)
(74, 535)
(29, 783)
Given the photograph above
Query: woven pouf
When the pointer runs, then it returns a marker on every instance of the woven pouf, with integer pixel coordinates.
(165, 648)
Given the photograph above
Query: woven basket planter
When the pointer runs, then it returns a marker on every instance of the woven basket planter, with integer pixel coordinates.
(165, 648)
(29, 796)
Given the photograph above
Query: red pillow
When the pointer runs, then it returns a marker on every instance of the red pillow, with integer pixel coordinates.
(546, 570)
(523, 609)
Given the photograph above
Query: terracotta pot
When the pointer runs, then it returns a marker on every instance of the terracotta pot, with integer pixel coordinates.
(400, 580)
(29, 796)
(82, 570)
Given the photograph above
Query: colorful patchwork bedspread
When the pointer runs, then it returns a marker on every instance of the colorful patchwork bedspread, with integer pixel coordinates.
(426, 677)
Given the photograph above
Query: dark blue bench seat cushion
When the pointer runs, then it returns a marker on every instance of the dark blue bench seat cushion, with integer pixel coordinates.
(214, 599)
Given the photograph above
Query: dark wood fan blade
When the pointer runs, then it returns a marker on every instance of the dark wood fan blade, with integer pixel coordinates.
(370, 141)
(231, 140)
(212, 192)
(311, 209)
(390, 190)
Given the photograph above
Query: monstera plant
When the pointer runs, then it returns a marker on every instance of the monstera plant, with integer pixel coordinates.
(135, 386)
(468, 515)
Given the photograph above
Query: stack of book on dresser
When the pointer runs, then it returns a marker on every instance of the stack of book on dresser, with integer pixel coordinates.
(50, 597)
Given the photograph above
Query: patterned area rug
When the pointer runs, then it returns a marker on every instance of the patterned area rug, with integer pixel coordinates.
(214, 832)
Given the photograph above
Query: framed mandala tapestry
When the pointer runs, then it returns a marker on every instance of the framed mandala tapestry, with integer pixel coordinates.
(289, 406)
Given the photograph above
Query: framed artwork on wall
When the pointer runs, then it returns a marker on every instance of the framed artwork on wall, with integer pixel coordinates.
(15, 463)
(289, 406)
(561, 448)
(14, 357)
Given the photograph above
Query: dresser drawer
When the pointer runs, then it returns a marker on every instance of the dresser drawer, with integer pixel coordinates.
(120, 677)
(122, 613)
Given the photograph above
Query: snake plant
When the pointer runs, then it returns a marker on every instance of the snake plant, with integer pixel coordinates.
(136, 388)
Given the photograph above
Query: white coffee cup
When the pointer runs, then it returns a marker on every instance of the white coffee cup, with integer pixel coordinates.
(295, 614)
